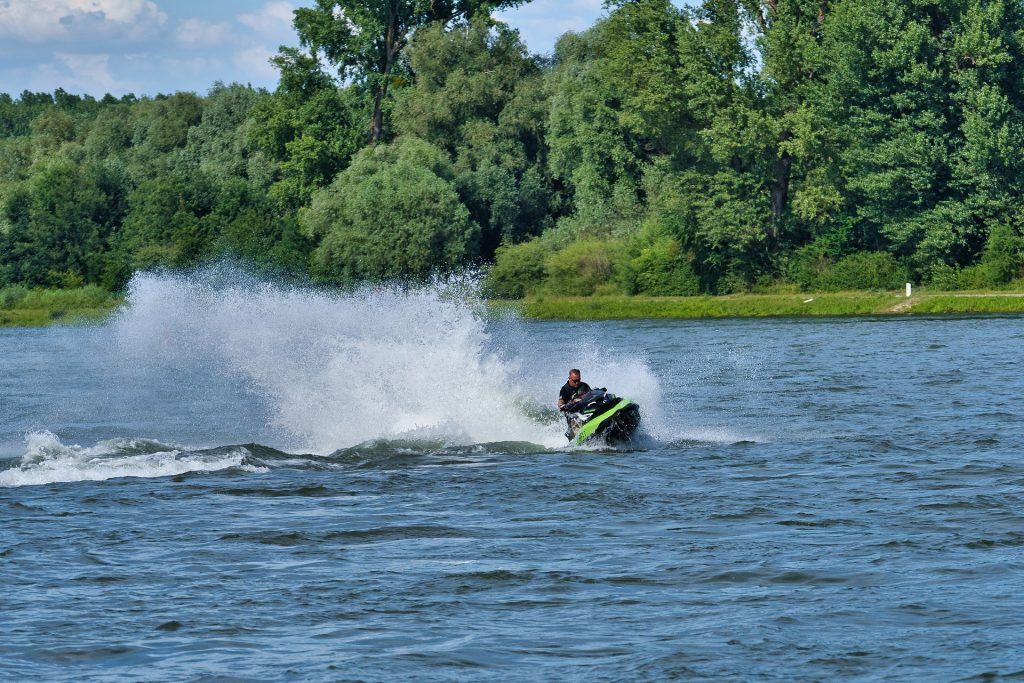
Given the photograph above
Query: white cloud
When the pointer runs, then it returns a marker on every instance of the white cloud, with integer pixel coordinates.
(198, 33)
(541, 22)
(273, 20)
(87, 72)
(254, 64)
(46, 20)
(182, 66)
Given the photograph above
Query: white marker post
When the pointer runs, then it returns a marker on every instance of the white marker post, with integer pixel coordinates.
(908, 290)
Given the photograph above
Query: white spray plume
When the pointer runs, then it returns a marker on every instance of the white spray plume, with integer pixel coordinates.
(338, 369)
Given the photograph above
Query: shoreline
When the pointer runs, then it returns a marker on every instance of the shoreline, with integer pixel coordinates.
(65, 310)
(807, 305)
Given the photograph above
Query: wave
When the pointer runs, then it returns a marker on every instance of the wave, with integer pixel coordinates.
(47, 461)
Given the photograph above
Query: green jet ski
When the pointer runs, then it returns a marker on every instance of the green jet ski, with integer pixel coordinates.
(599, 416)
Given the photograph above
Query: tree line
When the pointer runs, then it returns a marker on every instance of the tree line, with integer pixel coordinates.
(742, 145)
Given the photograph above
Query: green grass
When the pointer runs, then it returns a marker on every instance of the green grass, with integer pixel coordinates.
(768, 305)
(733, 306)
(970, 303)
(23, 307)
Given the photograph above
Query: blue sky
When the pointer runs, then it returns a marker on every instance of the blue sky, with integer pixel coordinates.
(161, 46)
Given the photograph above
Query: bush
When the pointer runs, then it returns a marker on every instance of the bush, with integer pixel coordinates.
(662, 269)
(766, 284)
(1003, 256)
(1001, 262)
(12, 296)
(807, 266)
(518, 270)
(980, 276)
(581, 266)
(863, 270)
(944, 277)
(732, 282)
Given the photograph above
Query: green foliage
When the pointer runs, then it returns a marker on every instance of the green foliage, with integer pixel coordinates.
(465, 74)
(52, 128)
(944, 277)
(662, 269)
(808, 265)
(16, 116)
(477, 95)
(180, 220)
(162, 124)
(86, 297)
(970, 304)
(110, 133)
(1003, 257)
(22, 306)
(815, 270)
(394, 212)
(309, 128)
(15, 162)
(59, 222)
(592, 152)
(96, 190)
(247, 228)
(12, 296)
(363, 39)
(1002, 261)
(165, 224)
(220, 143)
(582, 267)
(747, 306)
(518, 269)
(862, 270)
(730, 146)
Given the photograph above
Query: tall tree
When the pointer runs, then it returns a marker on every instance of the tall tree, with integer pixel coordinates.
(897, 121)
(478, 95)
(363, 38)
(309, 126)
(58, 225)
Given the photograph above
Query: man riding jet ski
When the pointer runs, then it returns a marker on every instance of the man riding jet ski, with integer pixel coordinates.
(595, 414)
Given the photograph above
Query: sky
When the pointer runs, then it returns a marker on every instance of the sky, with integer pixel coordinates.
(147, 47)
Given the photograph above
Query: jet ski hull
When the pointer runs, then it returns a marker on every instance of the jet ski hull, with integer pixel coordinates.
(616, 424)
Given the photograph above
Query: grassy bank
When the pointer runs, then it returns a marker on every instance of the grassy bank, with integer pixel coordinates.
(23, 307)
(768, 305)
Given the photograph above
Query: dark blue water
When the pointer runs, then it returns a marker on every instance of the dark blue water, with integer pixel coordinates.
(813, 500)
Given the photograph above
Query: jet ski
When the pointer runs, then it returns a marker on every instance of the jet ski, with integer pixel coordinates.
(602, 417)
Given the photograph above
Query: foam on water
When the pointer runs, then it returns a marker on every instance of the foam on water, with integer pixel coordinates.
(47, 461)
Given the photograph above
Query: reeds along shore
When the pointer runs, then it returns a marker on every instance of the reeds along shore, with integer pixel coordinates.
(21, 307)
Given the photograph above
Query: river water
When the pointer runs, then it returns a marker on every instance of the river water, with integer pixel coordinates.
(237, 481)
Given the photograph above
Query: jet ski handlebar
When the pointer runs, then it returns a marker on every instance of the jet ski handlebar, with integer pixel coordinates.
(579, 403)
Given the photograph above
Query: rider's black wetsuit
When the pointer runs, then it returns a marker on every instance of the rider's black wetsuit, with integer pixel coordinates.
(568, 392)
